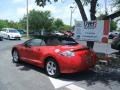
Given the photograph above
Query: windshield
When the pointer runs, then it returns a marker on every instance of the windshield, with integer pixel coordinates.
(21, 31)
(13, 31)
(61, 41)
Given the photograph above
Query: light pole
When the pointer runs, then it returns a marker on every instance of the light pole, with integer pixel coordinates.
(72, 11)
(27, 22)
(105, 7)
(71, 15)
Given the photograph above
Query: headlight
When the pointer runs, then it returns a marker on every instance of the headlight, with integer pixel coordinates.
(68, 53)
(10, 35)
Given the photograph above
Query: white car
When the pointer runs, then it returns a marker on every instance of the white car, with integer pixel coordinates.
(10, 33)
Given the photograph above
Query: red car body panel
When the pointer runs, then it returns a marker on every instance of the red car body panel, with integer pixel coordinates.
(36, 55)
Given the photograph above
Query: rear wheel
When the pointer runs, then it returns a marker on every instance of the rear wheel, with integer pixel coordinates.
(1, 38)
(8, 37)
(52, 68)
(15, 56)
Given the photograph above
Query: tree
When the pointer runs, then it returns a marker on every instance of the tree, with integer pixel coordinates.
(38, 20)
(9, 24)
(57, 24)
(66, 28)
(3, 23)
(113, 26)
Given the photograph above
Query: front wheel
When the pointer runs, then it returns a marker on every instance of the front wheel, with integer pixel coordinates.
(52, 68)
(8, 37)
(15, 56)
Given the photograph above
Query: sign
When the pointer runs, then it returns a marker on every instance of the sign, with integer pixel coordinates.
(92, 30)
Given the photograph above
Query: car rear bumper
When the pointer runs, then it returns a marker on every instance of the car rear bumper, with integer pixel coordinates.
(76, 63)
(15, 38)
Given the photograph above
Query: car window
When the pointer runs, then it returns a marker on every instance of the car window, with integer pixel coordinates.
(34, 42)
(13, 31)
(61, 41)
(43, 43)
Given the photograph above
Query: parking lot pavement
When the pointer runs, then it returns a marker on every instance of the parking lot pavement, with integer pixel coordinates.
(24, 76)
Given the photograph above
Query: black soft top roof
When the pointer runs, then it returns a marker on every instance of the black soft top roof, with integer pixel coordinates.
(51, 36)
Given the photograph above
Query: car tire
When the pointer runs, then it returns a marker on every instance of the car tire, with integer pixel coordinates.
(8, 37)
(15, 55)
(52, 68)
(19, 39)
(1, 39)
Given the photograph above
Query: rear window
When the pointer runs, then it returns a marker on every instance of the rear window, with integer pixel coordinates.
(13, 31)
(61, 41)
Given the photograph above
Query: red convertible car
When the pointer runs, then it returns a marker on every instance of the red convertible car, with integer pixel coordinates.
(56, 54)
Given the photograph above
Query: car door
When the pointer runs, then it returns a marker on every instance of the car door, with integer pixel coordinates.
(32, 51)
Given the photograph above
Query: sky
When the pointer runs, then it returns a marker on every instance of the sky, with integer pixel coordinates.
(15, 9)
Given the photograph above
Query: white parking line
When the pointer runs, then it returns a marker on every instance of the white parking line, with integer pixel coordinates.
(58, 83)
(74, 87)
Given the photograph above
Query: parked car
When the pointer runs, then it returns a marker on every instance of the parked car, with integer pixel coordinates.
(116, 43)
(55, 54)
(22, 32)
(10, 33)
(58, 33)
(69, 33)
(113, 34)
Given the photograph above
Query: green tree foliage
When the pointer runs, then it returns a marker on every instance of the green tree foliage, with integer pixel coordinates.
(66, 28)
(3, 23)
(113, 26)
(38, 20)
(9, 24)
(22, 22)
(57, 24)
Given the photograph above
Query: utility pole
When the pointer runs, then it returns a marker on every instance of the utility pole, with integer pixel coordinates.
(106, 7)
(27, 22)
(72, 11)
(71, 15)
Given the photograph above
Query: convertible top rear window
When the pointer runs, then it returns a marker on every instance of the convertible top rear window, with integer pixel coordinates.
(60, 41)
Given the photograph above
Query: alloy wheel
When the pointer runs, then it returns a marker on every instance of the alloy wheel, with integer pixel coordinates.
(52, 68)
(15, 56)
